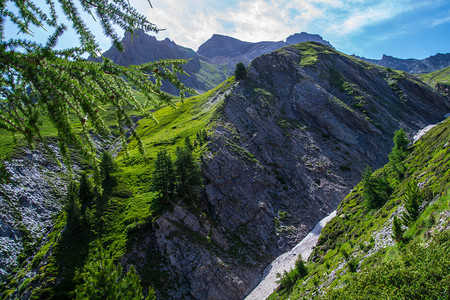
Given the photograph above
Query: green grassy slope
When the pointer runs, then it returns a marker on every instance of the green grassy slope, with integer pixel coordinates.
(11, 145)
(174, 124)
(356, 256)
(131, 206)
(441, 76)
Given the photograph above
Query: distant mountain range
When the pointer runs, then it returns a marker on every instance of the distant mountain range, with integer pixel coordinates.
(210, 65)
(411, 65)
(215, 59)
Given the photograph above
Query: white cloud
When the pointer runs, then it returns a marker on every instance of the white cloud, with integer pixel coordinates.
(441, 21)
(192, 22)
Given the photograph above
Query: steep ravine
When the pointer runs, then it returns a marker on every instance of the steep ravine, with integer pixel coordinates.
(289, 143)
(286, 262)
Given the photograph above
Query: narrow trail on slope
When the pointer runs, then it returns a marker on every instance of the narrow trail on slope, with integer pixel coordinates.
(286, 261)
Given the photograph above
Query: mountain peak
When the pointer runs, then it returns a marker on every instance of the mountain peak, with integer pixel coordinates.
(306, 37)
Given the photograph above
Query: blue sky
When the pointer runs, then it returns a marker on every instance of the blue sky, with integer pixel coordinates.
(401, 28)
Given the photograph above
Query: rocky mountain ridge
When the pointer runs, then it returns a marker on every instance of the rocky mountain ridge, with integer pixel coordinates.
(411, 65)
(214, 61)
(216, 58)
(220, 49)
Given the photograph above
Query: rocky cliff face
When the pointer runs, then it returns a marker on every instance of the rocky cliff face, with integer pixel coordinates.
(413, 66)
(28, 204)
(220, 49)
(290, 143)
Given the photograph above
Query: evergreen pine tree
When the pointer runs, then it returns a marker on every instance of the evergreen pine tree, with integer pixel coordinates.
(72, 208)
(397, 231)
(40, 81)
(375, 190)
(187, 143)
(105, 280)
(188, 173)
(107, 168)
(85, 192)
(204, 135)
(413, 200)
(163, 178)
(300, 267)
(240, 72)
(399, 152)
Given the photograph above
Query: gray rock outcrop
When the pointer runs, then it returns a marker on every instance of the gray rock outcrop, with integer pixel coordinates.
(28, 204)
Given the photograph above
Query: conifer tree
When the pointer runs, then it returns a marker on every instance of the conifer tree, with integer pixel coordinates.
(85, 192)
(163, 179)
(187, 142)
(240, 72)
(72, 208)
(41, 81)
(105, 280)
(413, 200)
(376, 190)
(399, 151)
(187, 172)
(107, 167)
(397, 231)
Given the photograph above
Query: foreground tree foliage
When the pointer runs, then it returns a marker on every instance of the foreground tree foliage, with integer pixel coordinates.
(38, 81)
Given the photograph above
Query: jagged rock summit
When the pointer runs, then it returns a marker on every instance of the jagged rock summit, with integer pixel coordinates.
(214, 61)
(221, 49)
(216, 58)
(142, 48)
(306, 37)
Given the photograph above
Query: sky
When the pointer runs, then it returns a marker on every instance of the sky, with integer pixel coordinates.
(369, 28)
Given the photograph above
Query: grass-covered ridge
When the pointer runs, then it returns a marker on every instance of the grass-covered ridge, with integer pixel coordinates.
(173, 125)
(440, 76)
(357, 256)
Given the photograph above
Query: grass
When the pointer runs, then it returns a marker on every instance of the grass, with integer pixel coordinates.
(174, 124)
(11, 145)
(346, 243)
(440, 76)
(213, 75)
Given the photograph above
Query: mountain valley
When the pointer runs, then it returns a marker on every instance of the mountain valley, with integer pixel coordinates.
(284, 146)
